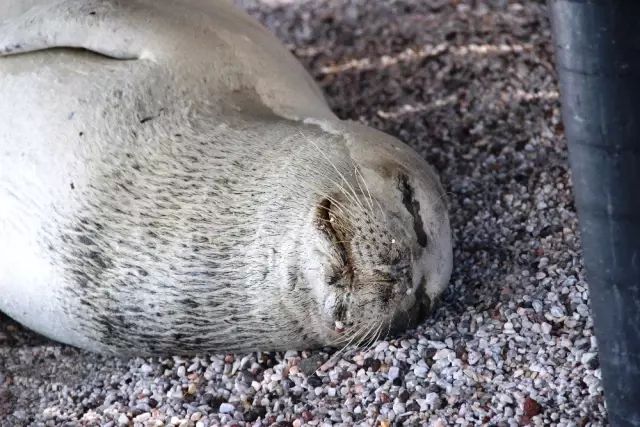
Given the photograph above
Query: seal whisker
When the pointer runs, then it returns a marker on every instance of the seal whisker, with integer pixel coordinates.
(333, 201)
(351, 333)
(376, 335)
(370, 332)
(346, 227)
(336, 169)
(342, 350)
(358, 173)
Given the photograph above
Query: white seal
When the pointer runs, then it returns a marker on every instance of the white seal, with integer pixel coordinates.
(173, 181)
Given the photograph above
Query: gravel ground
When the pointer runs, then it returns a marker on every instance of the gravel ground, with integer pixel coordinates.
(471, 86)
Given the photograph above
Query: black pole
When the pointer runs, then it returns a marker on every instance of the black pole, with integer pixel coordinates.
(597, 46)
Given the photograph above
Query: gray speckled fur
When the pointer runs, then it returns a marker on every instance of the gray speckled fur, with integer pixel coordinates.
(176, 183)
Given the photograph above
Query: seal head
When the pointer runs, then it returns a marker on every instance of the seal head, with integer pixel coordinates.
(382, 243)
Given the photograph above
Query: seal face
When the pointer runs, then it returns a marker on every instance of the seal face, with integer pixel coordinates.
(182, 186)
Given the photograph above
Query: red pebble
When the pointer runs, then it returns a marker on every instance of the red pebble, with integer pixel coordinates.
(531, 408)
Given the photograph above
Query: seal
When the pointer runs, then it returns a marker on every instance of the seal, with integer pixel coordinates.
(172, 181)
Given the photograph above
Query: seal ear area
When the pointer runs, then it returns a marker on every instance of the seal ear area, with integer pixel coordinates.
(94, 25)
(413, 207)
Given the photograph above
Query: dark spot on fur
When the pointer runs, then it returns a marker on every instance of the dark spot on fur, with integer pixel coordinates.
(413, 207)
(340, 311)
(333, 279)
(85, 240)
(92, 13)
(190, 303)
(10, 49)
(292, 276)
(81, 134)
(73, 187)
(424, 304)
(386, 293)
(97, 258)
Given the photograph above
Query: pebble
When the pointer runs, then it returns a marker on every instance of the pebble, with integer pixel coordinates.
(420, 371)
(587, 357)
(123, 420)
(382, 346)
(557, 311)
(394, 372)
(147, 369)
(226, 408)
(142, 417)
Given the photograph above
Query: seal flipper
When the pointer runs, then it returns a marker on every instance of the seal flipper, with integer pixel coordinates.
(209, 47)
(94, 25)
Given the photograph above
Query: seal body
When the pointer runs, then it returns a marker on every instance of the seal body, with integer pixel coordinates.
(173, 181)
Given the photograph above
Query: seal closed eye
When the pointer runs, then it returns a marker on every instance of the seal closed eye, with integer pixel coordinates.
(172, 181)
(413, 207)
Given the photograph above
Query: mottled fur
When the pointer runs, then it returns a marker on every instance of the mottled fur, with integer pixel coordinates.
(181, 186)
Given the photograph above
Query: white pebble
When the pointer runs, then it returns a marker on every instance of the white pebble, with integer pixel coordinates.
(142, 417)
(473, 357)
(398, 408)
(442, 354)
(393, 373)
(147, 369)
(420, 371)
(383, 345)
(587, 357)
(226, 408)
(537, 306)
(431, 399)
